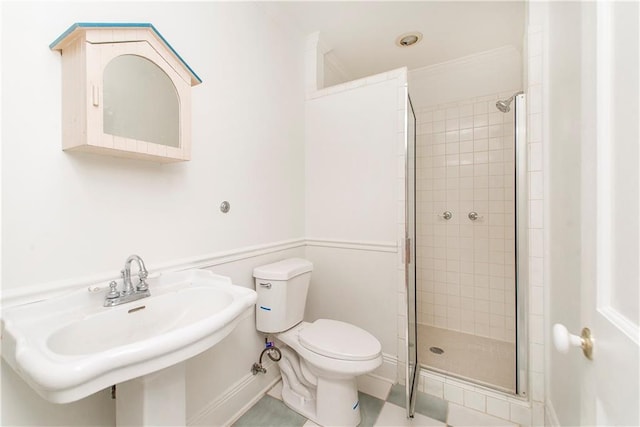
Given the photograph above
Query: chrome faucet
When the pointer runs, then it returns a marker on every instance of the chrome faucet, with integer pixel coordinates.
(126, 276)
(129, 292)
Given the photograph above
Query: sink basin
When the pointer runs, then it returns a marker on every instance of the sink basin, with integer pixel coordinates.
(69, 347)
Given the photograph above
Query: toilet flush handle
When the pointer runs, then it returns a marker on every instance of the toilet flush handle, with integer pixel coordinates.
(266, 285)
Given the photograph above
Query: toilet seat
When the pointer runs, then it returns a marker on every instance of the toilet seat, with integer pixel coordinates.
(329, 367)
(339, 340)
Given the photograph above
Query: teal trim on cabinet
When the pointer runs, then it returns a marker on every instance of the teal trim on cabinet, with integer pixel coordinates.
(82, 25)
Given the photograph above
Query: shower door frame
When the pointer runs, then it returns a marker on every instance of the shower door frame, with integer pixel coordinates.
(412, 368)
(521, 202)
(521, 205)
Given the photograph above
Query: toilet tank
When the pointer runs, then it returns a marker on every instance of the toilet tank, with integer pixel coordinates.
(282, 293)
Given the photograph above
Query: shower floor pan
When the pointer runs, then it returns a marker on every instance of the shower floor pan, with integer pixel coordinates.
(481, 360)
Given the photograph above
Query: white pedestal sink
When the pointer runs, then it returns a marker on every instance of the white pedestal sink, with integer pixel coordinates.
(156, 399)
(69, 347)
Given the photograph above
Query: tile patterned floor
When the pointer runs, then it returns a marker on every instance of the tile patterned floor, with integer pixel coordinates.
(482, 360)
(270, 411)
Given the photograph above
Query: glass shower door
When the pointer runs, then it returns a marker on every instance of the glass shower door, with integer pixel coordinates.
(412, 365)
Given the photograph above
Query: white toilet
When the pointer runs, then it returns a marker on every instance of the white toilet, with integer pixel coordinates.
(320, 360)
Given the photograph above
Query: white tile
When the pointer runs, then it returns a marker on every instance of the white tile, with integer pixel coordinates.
(498, 407)
(481, 132)
(535, 44)
(453, 394)
(466, 110)
(536, 214)
(536, 300)
(480, 144)
(534, 103)
(466, 134)
(434, 387)
(452, 124)
(536, 242)
(520, 414)
(310, 423)
(452, 113)
(535, 127)
(393, 415)
(474, 400)
(480, 108)
(466, 122)
(536, 271)
(537, 415)
(535, 156)
(439, 114)
(466, 146)
(536, 329)
(537, 387)
(537, 357)
(464, 417)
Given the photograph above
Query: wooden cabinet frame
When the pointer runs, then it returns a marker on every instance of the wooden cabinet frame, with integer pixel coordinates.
(86, 50)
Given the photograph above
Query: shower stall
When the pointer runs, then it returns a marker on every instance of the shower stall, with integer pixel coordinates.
(466, 165)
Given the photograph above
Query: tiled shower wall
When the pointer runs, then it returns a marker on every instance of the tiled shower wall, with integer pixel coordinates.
(465, 163)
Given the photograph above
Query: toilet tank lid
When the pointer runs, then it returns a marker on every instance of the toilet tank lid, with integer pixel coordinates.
(283, 270)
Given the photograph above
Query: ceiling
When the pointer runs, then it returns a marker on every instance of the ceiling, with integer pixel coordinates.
(362, 34)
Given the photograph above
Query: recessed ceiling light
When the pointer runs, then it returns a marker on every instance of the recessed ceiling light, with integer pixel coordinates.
(409, 39)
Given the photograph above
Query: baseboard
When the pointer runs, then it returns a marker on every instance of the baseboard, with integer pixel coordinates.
(379, 382)
(241, 396)
(375, 385)
(550, 416)
(236, 400)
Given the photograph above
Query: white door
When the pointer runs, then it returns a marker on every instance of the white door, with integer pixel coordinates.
(611, 235)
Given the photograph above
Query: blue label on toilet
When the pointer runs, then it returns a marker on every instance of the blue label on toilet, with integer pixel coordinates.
(265, 308)
(356, 405)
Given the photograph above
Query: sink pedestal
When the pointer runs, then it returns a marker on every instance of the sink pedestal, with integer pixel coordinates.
(156, 399)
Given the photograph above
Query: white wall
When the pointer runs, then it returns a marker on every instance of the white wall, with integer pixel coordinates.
(353, 135)
(351, 164)
(472, 76)
(69, 216)
(564, 244)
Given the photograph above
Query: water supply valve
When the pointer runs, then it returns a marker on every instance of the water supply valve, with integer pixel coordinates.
(272, 351)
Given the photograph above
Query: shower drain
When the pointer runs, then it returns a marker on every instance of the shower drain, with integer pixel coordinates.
(436, 350)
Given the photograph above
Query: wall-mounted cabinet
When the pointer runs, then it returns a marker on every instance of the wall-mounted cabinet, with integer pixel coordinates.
(125, 92)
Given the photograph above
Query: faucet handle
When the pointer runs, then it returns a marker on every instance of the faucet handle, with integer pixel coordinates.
(113, 292)
(142, 285)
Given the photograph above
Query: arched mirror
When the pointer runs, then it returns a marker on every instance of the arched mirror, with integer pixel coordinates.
(140, 101)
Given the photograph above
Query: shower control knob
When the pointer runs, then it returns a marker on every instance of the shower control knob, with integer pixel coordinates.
(446, 215)
(473, 216)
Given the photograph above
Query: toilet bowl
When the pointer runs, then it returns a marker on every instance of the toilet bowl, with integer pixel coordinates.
(321, 359)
